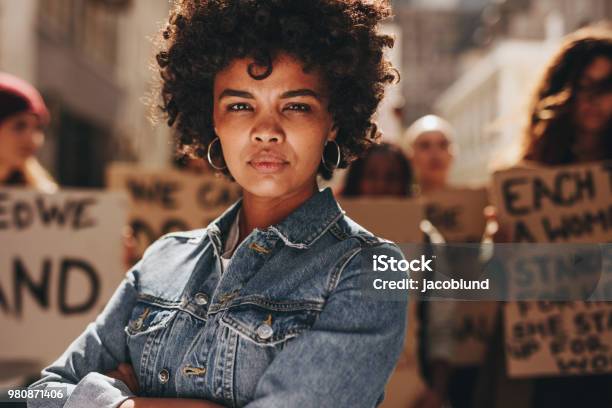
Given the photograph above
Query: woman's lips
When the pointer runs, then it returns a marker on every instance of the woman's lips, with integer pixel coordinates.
(268, 166)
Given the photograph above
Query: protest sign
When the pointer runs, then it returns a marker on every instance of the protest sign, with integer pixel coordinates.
(564, 204)
(162, 201)
(457, 213)
(390, 218)
(558, 338)
(556, 204)
(60, 261)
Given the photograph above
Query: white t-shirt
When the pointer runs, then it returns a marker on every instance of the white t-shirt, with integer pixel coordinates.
(231, 242)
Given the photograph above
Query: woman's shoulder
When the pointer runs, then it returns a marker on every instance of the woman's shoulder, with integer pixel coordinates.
(348, 229)
(174, 241)
(174, 254)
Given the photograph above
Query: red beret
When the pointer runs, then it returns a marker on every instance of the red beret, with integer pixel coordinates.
(17, 96)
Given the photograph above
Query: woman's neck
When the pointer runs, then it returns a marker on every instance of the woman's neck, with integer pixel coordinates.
(261, 212)
(588, 147)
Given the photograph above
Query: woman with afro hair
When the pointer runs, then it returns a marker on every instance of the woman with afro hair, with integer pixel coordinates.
(266, 306)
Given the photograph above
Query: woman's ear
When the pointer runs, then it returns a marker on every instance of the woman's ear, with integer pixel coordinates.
(333, 132)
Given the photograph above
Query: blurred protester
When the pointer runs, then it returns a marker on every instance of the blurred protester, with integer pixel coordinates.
(23, 115)
(571, 110)
(570, 121)
(383, 171)
(429, 142)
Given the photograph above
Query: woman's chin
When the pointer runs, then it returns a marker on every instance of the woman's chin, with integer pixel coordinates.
(268, 187)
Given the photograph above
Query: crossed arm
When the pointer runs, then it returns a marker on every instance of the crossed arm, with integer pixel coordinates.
(125, 373)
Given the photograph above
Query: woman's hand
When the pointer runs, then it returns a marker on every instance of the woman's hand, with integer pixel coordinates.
(126, 373)
(494, 232)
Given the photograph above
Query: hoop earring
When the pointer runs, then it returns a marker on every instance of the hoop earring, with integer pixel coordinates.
(208, 155)
(338, 156)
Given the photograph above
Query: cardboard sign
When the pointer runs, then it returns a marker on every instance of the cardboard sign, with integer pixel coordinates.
(60, 261)
(556, 338)
(394, 219)
(556, 204)
(565, 204)
(162, 201)
(457, 213)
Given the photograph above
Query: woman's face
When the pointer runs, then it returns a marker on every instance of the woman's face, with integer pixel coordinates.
(20, 138)
(431, 157)
(383, 176)
(594, 97)
(272, 131)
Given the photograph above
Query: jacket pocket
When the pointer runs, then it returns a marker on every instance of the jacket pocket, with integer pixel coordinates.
(147, 318)
(267, 327)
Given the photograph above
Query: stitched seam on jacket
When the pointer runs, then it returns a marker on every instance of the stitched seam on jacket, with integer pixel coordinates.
(228, 369)
(274, 306)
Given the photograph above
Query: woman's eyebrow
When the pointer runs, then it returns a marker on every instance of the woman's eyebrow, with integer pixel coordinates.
(300, 92)
(289, 94)
(235, 92)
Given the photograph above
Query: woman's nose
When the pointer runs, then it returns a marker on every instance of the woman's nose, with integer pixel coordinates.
(268, 130)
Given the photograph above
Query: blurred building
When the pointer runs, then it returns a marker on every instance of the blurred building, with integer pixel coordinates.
(534, 19)
(90, 59)
(487, 106)
(434, 34)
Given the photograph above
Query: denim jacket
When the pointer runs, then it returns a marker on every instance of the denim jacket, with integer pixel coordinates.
(287, 324)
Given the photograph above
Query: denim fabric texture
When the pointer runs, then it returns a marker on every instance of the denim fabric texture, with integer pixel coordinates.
(286, 325)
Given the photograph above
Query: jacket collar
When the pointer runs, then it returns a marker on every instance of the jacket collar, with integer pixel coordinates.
(299, 229)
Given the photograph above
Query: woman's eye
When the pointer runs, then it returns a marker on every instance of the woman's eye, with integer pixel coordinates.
(236, 107)
(299, 107)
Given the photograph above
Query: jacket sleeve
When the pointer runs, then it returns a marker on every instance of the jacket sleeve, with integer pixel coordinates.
(99, 349)
(348, 355)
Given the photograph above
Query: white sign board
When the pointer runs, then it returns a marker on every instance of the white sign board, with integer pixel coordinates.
(60, 261)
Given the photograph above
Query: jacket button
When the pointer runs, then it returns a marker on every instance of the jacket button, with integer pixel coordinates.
(201, 298)
(163, 376)
(137, 324)
(264, 331)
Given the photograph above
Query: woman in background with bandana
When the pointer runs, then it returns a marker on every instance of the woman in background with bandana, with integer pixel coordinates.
(23, 115)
